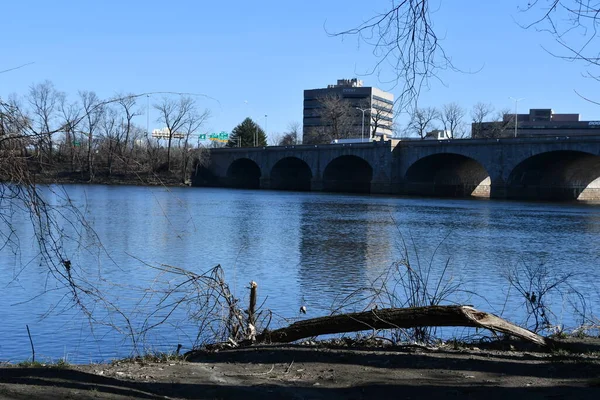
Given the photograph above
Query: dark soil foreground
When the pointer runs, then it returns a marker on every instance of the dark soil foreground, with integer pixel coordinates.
(301, 372)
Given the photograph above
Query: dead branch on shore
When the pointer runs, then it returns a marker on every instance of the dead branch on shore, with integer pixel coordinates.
(394, 318)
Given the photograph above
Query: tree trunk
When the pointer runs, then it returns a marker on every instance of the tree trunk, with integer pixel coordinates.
(169, 150)
(90, 155)
(393, 318)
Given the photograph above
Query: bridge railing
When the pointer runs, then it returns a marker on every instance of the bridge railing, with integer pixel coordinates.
(419, 142)
(305, 146)
(507, 140)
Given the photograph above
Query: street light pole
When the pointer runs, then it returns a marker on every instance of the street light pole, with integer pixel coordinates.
(516, 115)
(266, 126)
(362, 129)
(148, 115)
(255, 130)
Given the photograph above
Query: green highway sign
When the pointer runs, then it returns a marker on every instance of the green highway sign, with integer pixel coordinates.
(202, 136)
(221, 136)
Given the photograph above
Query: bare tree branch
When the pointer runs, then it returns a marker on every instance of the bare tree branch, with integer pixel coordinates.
(403, 38)
(574, 24)
(451, 117)
(422, 119)
(15, 68)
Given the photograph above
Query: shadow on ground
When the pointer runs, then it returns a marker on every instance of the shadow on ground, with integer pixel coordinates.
(307, 373)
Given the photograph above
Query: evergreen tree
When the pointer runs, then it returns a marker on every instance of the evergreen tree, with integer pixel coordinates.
(245, 133)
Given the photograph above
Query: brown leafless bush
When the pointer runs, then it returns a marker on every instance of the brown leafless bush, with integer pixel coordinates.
(410, 283)
(535, 285)
(211, 312)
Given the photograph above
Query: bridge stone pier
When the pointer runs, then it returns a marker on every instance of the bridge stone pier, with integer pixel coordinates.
(550, 168)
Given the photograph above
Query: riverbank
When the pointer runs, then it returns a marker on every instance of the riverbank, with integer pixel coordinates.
(492, 371)
(132, 179)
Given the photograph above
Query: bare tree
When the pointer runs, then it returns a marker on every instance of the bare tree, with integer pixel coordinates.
(13, 122)
(128, 104)
(44, 98)
(16, 136)
(70, 116)
(193, 122)
(274, 138)
(93, 109)
(422, 119)
(215, 144)
(112, 134)
(451, 117)
(174, 114)
(138, 152)
(316, 135)
(479, 114)
(377, 120)
(291, 136)
(497, 126)
(503, 123)
(337, 115)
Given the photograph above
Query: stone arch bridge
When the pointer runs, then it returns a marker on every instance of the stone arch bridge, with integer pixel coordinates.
(557, 168)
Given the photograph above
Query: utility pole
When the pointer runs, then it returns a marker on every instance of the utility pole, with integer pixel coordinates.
(516, 115)
(362, 129)
(148, 115)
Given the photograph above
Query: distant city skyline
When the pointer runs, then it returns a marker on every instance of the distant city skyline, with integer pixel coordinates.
(255, 59)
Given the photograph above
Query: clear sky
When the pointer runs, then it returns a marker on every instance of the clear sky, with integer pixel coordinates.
(255, 58)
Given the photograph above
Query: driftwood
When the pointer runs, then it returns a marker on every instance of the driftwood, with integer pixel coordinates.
(251, 330)
(252, 305)
(390, 318)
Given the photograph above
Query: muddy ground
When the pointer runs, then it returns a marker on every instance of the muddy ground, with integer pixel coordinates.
(498, 371)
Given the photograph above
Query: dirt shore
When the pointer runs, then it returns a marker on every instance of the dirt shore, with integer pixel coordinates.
(138, 179)
(309, 372)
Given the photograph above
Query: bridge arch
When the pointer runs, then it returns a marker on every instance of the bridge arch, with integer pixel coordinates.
(243, 173)
(291, 173)
(556, 175)
(348, 173)
(203, 176)
(447, 175)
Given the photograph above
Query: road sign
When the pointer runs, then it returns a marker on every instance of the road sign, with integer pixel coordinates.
(220, 137)
(202, 136)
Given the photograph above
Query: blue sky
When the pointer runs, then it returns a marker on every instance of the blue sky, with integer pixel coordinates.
(267, 52)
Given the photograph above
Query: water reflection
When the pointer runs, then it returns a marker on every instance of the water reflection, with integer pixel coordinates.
(339, 244)
(309, 249)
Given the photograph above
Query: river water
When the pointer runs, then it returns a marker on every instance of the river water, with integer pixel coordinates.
(311, 249)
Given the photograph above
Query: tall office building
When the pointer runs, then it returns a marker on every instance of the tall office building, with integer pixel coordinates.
(347, 110)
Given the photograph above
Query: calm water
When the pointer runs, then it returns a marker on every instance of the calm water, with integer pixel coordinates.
(302, 248)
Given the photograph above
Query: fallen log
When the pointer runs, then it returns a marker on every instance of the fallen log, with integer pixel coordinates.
(393, 318)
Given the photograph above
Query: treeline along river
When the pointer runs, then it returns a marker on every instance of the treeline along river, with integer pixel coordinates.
(310, 249)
